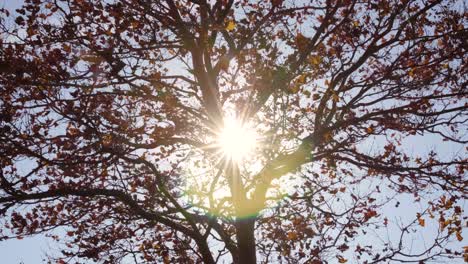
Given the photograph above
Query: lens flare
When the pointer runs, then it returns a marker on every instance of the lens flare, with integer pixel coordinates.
(236, 140)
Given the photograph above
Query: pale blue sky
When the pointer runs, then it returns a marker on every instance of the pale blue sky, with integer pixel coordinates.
(31, 250)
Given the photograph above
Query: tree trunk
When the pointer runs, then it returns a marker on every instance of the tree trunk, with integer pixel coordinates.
(205, 252)
(246, 241)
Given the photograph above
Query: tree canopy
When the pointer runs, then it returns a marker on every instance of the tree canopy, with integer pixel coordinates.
(111, 114)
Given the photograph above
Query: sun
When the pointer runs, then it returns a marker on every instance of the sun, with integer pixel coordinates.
(236, 140)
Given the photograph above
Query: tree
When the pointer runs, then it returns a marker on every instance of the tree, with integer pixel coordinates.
(111, 114)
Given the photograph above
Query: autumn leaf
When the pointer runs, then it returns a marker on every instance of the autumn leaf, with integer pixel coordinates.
(135, 24)
(315, 60)
(343, 247)
(292, 235)
(294, 88)
(30, 31)
(341, 259)
(335, 97)
(421, 221)
(67, 48)
(107, 140)
(72, 130)
(369, 214)
(301, 41)
(231, 25)
(141, 151)
(223, 63)
(301, 79)
(92, 59)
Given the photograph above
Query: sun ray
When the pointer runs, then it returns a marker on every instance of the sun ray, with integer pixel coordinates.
(236, 140)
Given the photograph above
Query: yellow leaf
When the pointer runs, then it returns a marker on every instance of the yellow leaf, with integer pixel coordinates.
(301, 79)
(231, 25)
(315, 60)
(294, 88)
(356, 23)
(341, 259)
(370, 130)
(459, 236)
(411, 72)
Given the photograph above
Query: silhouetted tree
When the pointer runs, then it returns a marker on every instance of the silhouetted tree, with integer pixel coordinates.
(111, 110)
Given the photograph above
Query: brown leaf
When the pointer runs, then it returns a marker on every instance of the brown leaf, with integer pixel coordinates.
(421, 221)
(292, 235)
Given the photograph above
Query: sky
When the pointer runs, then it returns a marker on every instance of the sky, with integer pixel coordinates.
(31, 250)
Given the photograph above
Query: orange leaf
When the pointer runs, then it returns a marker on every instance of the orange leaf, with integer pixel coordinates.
(301, 79)
(421, 221)
(292, 235)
